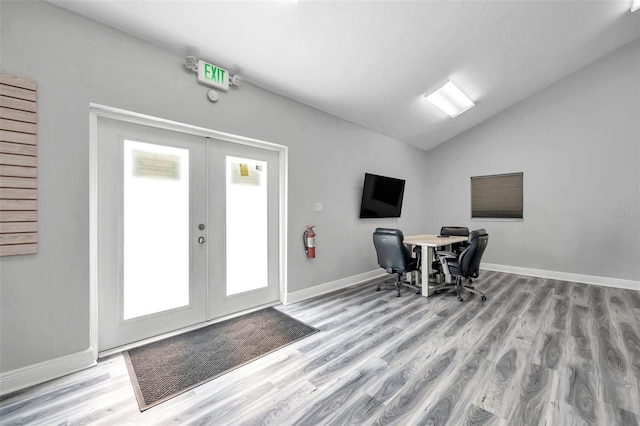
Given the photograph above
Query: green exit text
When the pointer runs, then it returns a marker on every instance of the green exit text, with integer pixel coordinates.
(213, 73)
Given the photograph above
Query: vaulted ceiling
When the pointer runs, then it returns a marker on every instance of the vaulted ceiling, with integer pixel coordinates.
(371, 62)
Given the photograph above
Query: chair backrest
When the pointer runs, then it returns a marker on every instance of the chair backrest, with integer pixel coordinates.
(456, 231)
(459, 231)
(393, 255)
(469, 259)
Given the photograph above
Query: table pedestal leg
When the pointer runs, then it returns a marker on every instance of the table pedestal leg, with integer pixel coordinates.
(429, 279)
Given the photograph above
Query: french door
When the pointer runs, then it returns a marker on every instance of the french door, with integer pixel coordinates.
(187, 230)
(243, 213)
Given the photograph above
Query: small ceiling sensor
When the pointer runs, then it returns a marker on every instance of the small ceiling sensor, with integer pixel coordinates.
(213, 95)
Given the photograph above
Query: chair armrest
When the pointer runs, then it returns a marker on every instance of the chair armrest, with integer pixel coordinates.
(443, 258)
(418, 251)
(446, 254)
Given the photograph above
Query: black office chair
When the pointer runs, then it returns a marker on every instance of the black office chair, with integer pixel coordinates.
(457, 231)
(465, 265)
(394, 256)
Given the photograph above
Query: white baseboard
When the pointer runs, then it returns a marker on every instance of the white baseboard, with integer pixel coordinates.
(564, 276)
(24, 377)
(321, 289)
(30, 375)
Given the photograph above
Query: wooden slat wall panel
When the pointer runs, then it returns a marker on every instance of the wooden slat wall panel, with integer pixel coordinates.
(18, 238)
(15, 249)
(13, 227)
(18, 160)
(17, 148)
(17, 93)
(17, 137)
(17, 115)
(18, 166)
(18, 194)
(12, 171)
(8, 205)
(18, 182)
(18, 126)
(15, 81)
(17, 104)
(19, 216)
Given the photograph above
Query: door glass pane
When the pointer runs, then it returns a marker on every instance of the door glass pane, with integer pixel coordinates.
(156, 228)
(246, 217)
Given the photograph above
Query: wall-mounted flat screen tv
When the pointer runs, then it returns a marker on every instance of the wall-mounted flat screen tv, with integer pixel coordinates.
(381, 196)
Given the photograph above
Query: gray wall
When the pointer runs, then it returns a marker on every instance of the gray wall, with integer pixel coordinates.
(577, 143)
(44, 298)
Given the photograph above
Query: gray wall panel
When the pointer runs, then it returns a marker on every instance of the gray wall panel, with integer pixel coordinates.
(44, 310)
(577, 142)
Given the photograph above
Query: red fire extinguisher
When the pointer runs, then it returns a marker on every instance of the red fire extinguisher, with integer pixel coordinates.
(309, 238)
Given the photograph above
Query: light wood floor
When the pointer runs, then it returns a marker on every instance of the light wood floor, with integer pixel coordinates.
(536, 352)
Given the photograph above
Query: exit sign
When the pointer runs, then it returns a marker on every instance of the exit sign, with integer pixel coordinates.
(213, 75)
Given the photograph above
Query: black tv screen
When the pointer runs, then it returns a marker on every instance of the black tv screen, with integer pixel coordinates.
(381, 196)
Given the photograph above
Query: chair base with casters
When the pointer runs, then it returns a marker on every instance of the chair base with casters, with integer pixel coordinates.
(398, 283)
(458, 286)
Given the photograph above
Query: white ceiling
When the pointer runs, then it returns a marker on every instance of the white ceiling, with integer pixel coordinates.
(371, 62)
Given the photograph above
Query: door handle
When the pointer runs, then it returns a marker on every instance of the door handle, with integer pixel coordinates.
(201, 240)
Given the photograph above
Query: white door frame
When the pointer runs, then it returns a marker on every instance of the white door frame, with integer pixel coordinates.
(97, 110)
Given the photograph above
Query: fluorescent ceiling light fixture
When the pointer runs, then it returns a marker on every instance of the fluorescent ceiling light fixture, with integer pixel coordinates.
(635, 5)
(450, 99)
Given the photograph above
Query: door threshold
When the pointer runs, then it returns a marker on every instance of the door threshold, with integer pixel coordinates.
(183, 330)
